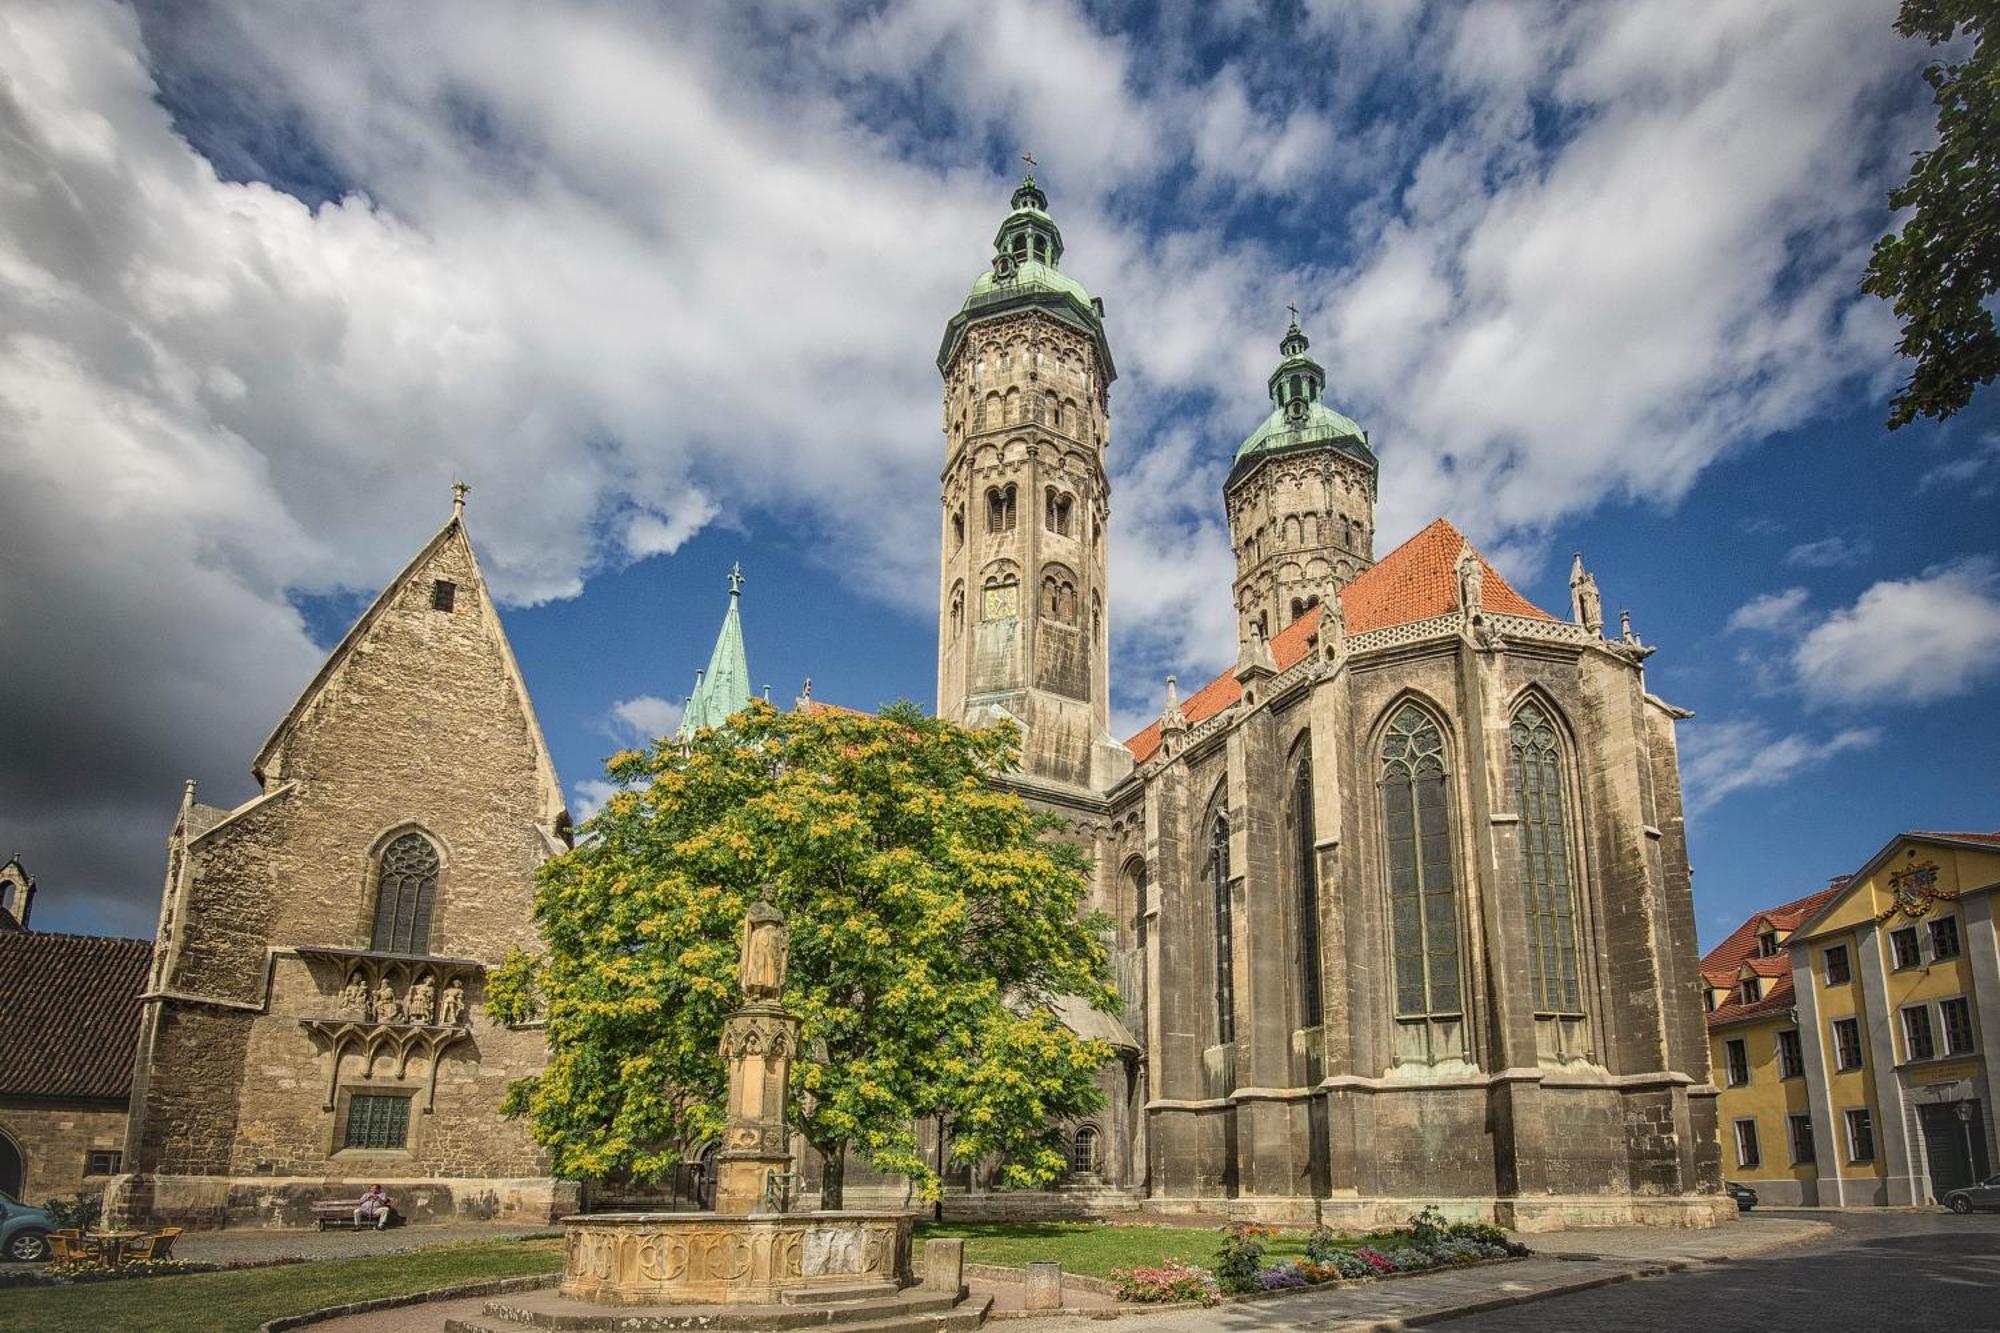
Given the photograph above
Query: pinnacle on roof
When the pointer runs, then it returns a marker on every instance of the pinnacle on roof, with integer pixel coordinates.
(724, 688)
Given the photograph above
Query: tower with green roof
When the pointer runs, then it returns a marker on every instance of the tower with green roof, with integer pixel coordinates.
(724, 688)
(1300, 498)
(1023, 630)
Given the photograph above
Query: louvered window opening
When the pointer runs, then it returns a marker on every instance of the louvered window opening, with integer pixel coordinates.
(1422, 892)
(406, 895)
(1547, 881)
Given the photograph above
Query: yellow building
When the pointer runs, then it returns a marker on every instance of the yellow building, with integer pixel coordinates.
(1852, 1031)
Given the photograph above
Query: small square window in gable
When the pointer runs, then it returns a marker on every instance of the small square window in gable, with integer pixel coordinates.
(444, 595)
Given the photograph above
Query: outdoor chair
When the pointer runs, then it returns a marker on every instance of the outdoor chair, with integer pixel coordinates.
(163, 1242)
(66, 1246)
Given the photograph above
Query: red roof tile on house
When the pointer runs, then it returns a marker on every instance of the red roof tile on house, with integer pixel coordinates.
(1416, 581)
(69, 1013)
(1993, 838)
(1723, 965)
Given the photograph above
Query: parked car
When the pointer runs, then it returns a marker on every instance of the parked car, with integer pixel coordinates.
(1984, 1194)
(1746, 1198)
(24, 1231)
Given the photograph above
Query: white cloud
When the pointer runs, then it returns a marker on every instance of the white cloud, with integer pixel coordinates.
(1977, 472)
(1833, 552)
(644, 718)
(1719, 759)
(588, 797)
(1907, 640)
(1773, 611)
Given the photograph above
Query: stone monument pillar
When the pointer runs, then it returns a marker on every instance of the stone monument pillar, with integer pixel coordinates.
(758, 1041)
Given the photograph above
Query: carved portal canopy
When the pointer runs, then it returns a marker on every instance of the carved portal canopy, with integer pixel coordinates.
(767, 947)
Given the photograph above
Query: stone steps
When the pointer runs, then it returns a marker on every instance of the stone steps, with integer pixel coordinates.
(911, 1311)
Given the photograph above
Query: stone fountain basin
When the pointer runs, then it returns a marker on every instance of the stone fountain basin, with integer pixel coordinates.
(708, 1258)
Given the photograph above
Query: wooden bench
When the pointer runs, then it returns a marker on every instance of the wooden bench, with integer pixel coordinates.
(340, 1213)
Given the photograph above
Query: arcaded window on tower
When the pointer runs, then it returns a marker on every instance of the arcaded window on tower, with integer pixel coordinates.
(1225, 933)
(1057, 509)
(1059, 596)
(405, 895)
(957, 610)
(1534, 755)
(957, 528)
(1000, 509)
(1423, 899)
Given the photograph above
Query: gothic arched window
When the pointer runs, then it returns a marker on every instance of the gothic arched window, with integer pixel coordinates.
(405, 895)
(1535, 766)
(1135, 876)
(1305, 876)
(1423, 899)
(1225, 963)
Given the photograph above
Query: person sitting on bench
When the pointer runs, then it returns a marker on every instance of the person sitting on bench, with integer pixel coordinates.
(374, 1208)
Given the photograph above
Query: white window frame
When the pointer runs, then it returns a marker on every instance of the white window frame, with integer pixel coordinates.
(1847, 1123)
(1860, 1047)
(1847, 962)
(1729, 1066)
(1944, 1028)
(1930, 1028)
(1896, 963)
(1756, 1140)
(1929, 942)
(1792, 1138)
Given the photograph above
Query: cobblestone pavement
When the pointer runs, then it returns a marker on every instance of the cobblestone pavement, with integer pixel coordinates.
(258, 1243)
(1890, 1270)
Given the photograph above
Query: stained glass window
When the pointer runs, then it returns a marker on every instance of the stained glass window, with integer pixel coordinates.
(1534, 754)
(1423, 916)
(1225, 964)
(1305, 874)
(406, 895)
(377, 1122)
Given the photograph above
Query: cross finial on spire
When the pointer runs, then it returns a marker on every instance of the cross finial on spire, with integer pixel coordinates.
(1029, 158)
(1295, 313)
(458, 490)
(736, 579)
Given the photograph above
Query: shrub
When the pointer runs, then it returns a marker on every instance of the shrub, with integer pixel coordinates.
(1412, 1258)
(79, 1213)
(1483, 1232)
(1427, 1225)
(1167, 1282)
(1350, 1264)
(1239, 1261)
(1322, 1245)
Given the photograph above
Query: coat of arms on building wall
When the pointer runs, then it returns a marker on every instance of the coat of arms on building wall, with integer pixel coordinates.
(1915, 888)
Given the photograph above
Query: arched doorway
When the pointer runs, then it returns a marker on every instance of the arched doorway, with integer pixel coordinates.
(13, 1169)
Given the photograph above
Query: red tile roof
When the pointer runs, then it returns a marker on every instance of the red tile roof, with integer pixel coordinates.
(1723, 965)
(69, 1013)
(1416, 581)
(1993, 838)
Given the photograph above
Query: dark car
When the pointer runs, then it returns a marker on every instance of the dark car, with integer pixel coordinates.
(24, 1231)
(1985, 1194)
(1746, 1198)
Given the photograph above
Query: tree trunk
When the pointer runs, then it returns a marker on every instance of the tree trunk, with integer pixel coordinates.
(833, 1176)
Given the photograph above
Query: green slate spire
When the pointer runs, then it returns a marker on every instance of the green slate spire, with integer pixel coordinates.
(725, 687)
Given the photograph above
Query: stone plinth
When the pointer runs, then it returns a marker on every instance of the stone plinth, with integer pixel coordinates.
(703, 1258)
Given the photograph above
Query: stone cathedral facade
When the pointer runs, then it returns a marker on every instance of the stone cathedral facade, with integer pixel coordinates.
(1402, 899)
(1403, 902)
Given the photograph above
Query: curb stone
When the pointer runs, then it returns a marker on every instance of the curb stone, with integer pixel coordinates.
(1490, 1304)
(498, 1286)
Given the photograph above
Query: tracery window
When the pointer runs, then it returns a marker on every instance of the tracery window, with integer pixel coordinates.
(1423, 907)
(1305, 876)
(1534, 753)
(1225, 963)
(405, 895)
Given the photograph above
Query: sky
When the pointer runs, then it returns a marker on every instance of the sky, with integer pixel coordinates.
(665, 283)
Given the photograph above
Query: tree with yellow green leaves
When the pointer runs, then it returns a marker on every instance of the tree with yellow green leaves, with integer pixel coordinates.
(934, 923)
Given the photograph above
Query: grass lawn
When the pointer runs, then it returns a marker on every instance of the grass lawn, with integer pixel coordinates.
(1094, 1250)
(237, 1302)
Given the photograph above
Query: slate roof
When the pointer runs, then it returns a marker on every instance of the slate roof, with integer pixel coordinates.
(1723, 965)
(69, 1013)
(1416, 581)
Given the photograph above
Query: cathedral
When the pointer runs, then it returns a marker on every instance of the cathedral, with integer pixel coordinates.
(1402, 898)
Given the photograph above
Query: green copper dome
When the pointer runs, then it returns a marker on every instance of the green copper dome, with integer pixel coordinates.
(1024, 273)
(1300, 418)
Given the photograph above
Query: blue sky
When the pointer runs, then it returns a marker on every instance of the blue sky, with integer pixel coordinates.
(664, 283)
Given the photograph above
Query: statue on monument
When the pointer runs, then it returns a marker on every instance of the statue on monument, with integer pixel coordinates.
(767, 948)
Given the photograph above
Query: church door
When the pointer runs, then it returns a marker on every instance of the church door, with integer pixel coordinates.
(13, 1171)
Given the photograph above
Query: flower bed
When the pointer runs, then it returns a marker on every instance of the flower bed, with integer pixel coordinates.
(1427, 1242)
(79, 1274)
